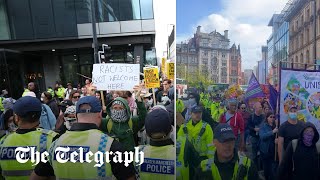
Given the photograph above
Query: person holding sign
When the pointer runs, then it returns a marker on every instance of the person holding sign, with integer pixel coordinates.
(159, 160)
(121, 124)
(162, 96)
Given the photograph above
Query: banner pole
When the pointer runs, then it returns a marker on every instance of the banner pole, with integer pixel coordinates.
(102, 99)
(154, 97)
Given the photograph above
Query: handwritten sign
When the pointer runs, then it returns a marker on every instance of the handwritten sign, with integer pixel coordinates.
(116, 76)
(151, 77)
(170, 70)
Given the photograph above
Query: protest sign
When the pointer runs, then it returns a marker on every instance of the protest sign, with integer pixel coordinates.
(151, 77)
(116, 76)
(170, 70)
(300, 89)
(163, 65)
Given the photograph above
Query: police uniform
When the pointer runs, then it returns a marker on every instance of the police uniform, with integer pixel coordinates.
(239, 167)
(87, 136)
(159, 156)
(39, 138)
(200, 135)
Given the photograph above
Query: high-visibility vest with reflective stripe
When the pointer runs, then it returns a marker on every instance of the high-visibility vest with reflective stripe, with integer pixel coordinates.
(41, 139)
(180, 106)
(182, 168)
(209, 165)
(60, 92)
(1, 105)
(25, 92)
(159, 163)
(91, 140)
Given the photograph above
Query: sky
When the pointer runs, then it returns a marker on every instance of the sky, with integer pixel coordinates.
(165, 18)
(246, 20)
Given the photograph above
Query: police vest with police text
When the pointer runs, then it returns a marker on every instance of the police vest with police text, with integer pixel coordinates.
(159, 163)
(240, 170)
(91, 140)
(41, 139)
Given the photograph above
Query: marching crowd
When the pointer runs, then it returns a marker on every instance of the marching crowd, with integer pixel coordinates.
(223, 138)
(83, 117)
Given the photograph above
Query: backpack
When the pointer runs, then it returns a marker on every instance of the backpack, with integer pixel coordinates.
(47, 118)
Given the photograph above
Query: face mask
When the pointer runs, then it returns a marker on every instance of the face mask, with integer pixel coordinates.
(293, 116)
(12, 127)
(165, 99)
(69, 121)
(119, 115)
(307, 138)
(149, 102)
(192, 101)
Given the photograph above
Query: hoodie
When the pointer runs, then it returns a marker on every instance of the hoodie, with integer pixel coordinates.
(304, 163)
(121, 131)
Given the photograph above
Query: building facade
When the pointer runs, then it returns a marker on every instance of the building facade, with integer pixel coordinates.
(304, 25)
(209, 54)
(235, 65)
(52, 39)
(261, 72)
(247, 75)
(278, 46)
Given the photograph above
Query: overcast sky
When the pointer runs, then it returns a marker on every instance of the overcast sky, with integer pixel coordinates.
(246, 21)
(164, 14)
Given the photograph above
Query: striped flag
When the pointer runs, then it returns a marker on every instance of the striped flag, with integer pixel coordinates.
(254, 90)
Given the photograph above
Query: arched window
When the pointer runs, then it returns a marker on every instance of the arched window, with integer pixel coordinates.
(301, 61)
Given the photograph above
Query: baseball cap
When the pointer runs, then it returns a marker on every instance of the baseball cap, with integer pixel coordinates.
(196, 109)
(92, 101)
(27, 104)
(223, 132)
(70, 110)
(157, 121)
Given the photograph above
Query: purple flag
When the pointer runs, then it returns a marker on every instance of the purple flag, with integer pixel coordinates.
(254, 90)
(273, 98)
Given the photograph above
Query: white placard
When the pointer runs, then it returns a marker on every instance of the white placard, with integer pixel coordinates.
(116, 76)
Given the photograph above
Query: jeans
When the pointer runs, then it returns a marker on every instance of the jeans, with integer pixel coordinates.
(269, 167)
(255, 149)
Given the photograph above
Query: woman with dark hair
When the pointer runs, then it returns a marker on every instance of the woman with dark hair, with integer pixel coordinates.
(268, 140)
(9, 125)
(75, 96)
(46, 98)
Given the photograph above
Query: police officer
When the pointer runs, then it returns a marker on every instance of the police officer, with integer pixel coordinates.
(27, 112)
(199, 133)
(226, 164)
(159, 156)
(85, 133)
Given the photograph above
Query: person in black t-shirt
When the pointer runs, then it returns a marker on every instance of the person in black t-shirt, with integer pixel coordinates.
(288, 131)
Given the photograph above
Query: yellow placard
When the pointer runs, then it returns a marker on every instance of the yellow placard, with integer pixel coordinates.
(163, 65)
(151, 77)
(170, 70)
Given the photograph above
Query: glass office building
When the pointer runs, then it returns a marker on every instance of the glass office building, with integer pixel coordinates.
(50, 40)
(278, 47)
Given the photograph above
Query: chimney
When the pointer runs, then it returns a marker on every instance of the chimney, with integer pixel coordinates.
(226, 34)
(198, 29)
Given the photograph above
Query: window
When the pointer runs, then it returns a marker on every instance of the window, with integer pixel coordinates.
(65, 18)
(146, 9)
(297, 25)
(83, 11)
(20, 19)
(308, 13)
(301, 40)
(4, 25)
(108, 10)
(308, 57)
(130, 10)
(150, 56)
(308, 36)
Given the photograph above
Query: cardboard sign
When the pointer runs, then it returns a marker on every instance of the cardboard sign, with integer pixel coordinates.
(170, 70)
(151, 77)
(163, 65)
(116, 76)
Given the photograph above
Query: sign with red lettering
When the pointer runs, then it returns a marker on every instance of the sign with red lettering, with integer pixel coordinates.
(115, 76)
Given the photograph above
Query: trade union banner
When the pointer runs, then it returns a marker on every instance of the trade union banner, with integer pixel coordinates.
(300, 89)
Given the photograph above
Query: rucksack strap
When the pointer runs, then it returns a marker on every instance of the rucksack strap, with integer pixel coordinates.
(203, 129)
(185, 130)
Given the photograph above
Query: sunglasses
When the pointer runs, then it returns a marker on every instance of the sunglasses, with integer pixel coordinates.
(271, 117)
(243, 108)
(76, 97)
